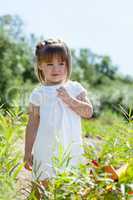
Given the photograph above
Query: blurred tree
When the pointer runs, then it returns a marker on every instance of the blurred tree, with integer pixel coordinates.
(106, 68)
(16, 55)
(85, 62)
(13, 26)
(97, 73)
(77, 71)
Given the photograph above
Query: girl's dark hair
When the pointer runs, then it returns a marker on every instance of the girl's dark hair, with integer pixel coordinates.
(46, 50)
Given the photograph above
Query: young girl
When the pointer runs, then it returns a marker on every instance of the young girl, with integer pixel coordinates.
(55, 111)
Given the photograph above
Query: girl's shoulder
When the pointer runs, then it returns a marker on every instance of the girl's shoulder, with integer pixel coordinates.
(37, 90)
(36, 95)
(76, 87)
(75, 83)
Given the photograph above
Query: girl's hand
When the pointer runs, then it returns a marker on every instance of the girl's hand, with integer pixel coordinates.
(63, 94)
(81, 96)
(28, 160)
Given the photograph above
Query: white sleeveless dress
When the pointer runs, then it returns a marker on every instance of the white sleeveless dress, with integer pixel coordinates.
(59, 129)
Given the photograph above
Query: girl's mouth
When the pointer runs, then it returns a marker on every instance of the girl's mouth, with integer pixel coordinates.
(55, 74)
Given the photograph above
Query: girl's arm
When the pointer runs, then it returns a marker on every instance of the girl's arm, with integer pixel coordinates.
(31, 128)
(81, 105)
(82, 97)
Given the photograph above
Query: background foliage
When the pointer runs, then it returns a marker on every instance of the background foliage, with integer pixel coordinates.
(106, 87)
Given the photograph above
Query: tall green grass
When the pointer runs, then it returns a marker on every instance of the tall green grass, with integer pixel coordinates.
(11, 128)
(113, 139)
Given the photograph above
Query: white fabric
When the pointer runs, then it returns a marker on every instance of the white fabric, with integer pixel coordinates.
(58, 125)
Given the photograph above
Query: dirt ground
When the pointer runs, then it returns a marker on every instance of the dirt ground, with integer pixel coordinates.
(24, 178)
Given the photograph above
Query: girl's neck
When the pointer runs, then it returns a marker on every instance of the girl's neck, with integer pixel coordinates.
(54, 83)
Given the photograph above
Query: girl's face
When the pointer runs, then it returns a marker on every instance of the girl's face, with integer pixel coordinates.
(55, 71)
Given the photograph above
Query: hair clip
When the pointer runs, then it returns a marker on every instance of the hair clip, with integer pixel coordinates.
(47, 42)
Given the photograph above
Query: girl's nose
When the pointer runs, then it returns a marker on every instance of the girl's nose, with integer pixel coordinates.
(56, 68)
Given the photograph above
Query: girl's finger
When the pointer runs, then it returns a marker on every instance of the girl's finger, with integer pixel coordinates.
(31, 161)
(28, 167)
(61, 89)
(61, 93)
(79, 97)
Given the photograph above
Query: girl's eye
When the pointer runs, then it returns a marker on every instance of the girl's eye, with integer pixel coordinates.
(49, 64)
(52, 64)
(61, 63)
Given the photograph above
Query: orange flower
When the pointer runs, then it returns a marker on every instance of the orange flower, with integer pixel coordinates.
(130, 192)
